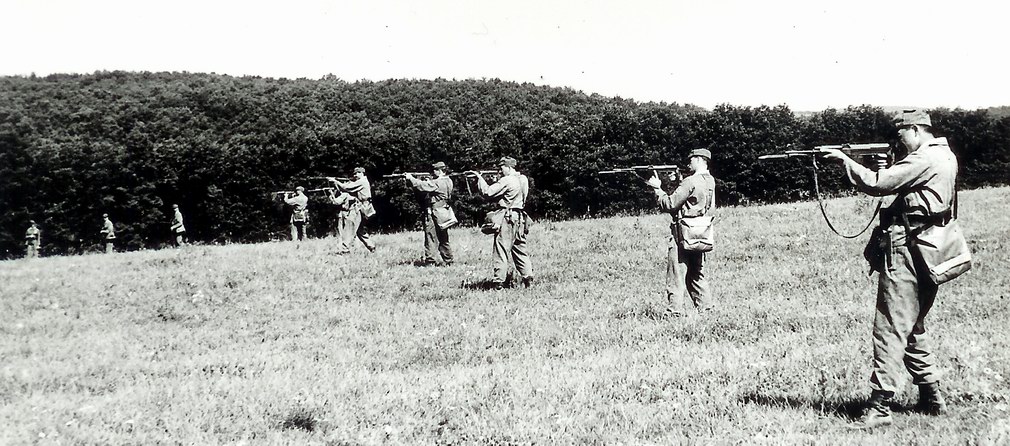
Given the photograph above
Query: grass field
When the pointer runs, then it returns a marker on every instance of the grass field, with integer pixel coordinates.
(286, 343)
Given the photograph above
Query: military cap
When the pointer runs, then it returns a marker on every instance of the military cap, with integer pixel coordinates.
(439, 165)
(105, 215)
(299, 188)
(704, 153)
(507, 161)
(359, 170)
(912, 117)
(32, 222)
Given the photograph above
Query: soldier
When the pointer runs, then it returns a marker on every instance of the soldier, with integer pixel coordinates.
(361, 191)
(108, 232)
(345, 204)
(299, 212)
(438, 216)
(178, 228)
(924, 181)
(511, 221)
(33, 240)
(693, 197)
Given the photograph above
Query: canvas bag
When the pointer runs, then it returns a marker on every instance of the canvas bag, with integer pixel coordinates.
(444, 216)
(943, 248)
(697, 234)
(493, 221)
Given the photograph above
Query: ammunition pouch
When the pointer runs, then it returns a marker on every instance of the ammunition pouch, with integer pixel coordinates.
(696, 234)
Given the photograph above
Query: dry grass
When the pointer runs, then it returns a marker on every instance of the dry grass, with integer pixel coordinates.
(285, 343)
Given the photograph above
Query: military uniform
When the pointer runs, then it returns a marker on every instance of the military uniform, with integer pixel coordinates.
(924, 181)
(510, 240)
(109, 233)
(299, 213)
(685, 270)
(33, 240)
(361, 210)
(345, 205)
(178, 228)
(436, 240)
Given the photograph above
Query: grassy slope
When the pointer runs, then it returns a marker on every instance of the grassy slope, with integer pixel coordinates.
(286, 343)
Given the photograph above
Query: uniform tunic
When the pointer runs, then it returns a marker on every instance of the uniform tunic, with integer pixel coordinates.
(299, 215)
(109, 230)
(33, 239)
(510, 241)
(436, 240)
(685, 270)
(178, 227)
(924, 184)
(354, 224)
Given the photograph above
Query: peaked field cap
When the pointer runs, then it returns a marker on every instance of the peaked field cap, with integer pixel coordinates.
(105, 215)
(704, 153)
(438, 165)
(359, 169)
(507, 161)
(912, 117)
(299, 188)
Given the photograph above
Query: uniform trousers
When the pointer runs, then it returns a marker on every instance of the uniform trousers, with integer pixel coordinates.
(351, 223)
(32, 250)
(685, 278)
(298, 229)
(904, 297)
(510, 247)
(436, 241)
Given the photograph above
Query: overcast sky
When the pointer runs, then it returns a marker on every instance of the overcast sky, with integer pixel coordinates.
(809, 55)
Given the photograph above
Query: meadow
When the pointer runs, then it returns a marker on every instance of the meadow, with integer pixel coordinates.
(288, 343)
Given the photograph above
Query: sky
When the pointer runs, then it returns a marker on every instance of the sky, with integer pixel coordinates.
(809, 55)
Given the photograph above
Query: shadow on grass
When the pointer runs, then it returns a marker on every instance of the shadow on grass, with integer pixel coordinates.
(851, 409)
(479, 285)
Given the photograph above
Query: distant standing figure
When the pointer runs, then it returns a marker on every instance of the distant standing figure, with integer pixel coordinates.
(361, 190)
(108, 232)
(511, 221)
(438, 190)
(178, 228)
(33, 240)
(694, 197)
(299, 212)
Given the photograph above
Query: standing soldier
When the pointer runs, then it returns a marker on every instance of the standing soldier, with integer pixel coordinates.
(345, 204)
(299, 212)
(178, 228)
(33, 240)
(694, 197)
(362, 209)
(510, 223)
(925, 202)
(438, 217)
(108, 233)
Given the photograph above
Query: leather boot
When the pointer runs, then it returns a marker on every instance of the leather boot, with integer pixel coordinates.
(930, 400)
(877, 412)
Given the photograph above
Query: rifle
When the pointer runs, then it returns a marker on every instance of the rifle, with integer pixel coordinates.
(881, 152)
(282, 192)
(341, 179)
(418, 175)
(655, 169)
(321, 189)
(878, 150)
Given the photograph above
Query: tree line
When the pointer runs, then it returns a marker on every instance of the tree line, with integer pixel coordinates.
(131, 144)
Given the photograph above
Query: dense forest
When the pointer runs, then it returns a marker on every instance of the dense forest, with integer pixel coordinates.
(131, 144)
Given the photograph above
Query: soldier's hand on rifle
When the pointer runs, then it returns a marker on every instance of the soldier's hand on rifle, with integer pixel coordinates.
(833, 154)
(407, 176)
(654, 181)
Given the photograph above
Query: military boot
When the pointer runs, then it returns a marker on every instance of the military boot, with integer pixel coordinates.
(930, 400)
(877, 412)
